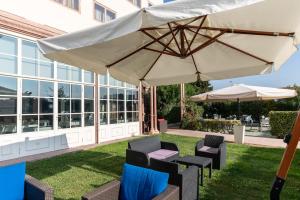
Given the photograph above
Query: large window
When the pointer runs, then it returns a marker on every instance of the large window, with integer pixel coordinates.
(103, 14)
(117, 108)
(8, 54)
(89, 105)
(34, 63)
(68, 73)
(8, 105)
(69, 105)
(73, 4)
(103, 105)
(37, 105)
(118, 101)
(132, 105)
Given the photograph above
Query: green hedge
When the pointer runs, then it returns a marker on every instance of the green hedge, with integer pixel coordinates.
(281, 122)
(219, 125)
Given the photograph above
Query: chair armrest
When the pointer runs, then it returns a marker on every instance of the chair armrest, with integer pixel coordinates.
(109, 191)
(171, 193)
(137, 158)
(190, 183)
(169, 146)
(36, 190)
(199, 145)
(222, 147)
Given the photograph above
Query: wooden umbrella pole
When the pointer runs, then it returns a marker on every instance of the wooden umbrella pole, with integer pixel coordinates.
(288, 156)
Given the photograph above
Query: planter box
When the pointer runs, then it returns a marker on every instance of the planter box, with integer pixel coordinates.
(239, 133)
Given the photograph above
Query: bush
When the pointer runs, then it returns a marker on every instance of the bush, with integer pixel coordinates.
(191, 117)
(219, 125)
(174, 115)
(282, 122)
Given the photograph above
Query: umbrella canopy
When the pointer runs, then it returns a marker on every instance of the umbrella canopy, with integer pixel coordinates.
(243, 92)
(185, 41)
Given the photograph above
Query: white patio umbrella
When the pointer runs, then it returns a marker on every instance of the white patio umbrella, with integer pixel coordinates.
(242, 92)
(185, 41)
(245, 93)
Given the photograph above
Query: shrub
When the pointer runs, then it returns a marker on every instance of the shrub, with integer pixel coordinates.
(219, 125)
(282, 122)
(191, 117)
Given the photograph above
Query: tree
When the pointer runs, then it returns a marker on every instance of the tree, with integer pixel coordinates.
(168, 98)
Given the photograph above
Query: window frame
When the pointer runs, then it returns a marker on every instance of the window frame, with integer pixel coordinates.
(62, 4)
(105, 12)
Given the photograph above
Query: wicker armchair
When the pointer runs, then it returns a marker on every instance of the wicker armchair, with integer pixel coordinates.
(187, 180)
(110, 191)
(214, 147)
(36, 190)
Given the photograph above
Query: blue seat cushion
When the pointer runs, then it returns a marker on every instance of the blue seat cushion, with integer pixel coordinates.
(142, 184)
(12, 181)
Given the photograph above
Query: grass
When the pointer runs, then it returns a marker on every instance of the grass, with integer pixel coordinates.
(249, 172)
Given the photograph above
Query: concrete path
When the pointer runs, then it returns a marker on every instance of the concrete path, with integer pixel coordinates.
(254, 141)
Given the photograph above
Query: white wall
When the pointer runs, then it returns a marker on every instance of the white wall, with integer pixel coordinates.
(50, 13)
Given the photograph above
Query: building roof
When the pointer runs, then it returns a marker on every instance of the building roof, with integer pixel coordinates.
(11, 22)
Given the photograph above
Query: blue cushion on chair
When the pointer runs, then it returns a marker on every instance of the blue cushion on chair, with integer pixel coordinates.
(142, 184)
(12, 181)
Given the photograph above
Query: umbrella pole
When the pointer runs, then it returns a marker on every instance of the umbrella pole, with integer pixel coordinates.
(286, 161)
(239, 108)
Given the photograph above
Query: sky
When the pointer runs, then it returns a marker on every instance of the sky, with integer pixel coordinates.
(288, 74)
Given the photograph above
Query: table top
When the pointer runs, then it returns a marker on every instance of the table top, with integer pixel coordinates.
(194, 160)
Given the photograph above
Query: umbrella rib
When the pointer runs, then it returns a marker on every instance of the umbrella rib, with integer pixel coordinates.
(205, 44)
(139, 49)
(237, 49)
(163, 44)
(157, 59)
(174, 36)
(162, 52)
(198, 29)
(248, 32)
(189, 49)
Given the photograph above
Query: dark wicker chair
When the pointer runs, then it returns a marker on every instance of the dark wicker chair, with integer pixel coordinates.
(36, 190)
(212, 147)
(110, 191)
(139, 151)
(187, 180)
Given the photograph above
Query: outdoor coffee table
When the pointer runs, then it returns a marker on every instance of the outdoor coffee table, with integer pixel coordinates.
(198, 161)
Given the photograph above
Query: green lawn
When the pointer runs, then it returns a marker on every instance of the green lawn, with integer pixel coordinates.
(248, 175)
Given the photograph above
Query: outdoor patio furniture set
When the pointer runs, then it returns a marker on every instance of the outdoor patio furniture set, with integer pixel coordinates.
(152, 154)
(152, 171)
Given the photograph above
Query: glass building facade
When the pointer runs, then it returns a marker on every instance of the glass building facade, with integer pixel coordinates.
(37, 94)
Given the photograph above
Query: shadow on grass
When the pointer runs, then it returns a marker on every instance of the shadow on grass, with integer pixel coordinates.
(98, 162)
(249, 174)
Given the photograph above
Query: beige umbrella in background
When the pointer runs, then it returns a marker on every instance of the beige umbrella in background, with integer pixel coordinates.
(185, 41)
(242, 92)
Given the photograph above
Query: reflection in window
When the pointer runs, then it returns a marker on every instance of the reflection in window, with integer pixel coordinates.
(30, 123)
(8, 104)
(68, 73)
(37, 105)
(46, 122)
(88, 77)
(75, 120)
(88, 105)
(8, 124)
(69, 105)
(102, 14)
(8, 86)
(132, 105)
(8, 54)
(73, 4)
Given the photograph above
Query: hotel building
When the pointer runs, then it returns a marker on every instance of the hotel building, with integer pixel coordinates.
(46, 105)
